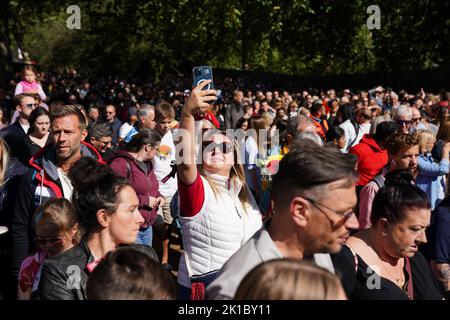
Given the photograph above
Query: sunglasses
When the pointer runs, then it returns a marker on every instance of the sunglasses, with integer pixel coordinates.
(416, 119)
(30, 105)
(224, 147)
(402, 122)
(51, 241)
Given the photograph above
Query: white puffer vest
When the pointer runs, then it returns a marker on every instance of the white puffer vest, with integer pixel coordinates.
(221, 227)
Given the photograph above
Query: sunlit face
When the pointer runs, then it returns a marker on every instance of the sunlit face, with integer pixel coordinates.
(404, 123)
(27, 105)
(29, 76)
(218, 155)
(151, 151)
(404, 237)
(42, 124)
(244, 125)
(165, 124)
(102, 144)
(52, 240)
(67, 136)
(148, 121)
(124, 224)
(93, 114)
(407, 159)
(327, 226)
(341, 142)
(110, 113)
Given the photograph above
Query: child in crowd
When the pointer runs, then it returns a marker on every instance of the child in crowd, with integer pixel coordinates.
(56, 228)
(29, 83)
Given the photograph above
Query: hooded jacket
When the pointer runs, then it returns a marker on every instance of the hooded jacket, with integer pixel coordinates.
(371, 159)
(39, 184)
(144, 183)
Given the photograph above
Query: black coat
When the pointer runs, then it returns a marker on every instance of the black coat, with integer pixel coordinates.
(64, 277)
(8, 198)
(15, 138)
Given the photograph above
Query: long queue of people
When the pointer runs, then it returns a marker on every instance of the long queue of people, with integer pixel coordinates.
(274, 195)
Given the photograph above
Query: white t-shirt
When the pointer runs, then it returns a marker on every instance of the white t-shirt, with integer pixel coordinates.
(66, 184)
(251, 156)
(124, 129)
(25, 127)
(350, 134)
(162, 162)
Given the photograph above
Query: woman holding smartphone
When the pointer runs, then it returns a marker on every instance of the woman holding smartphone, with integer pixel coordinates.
(218, 214)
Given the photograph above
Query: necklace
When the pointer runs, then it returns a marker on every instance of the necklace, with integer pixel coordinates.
(399, 281)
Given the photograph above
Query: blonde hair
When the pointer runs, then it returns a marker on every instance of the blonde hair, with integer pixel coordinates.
(237, 172)
(4, 159)
(288, 279)
(424, 137)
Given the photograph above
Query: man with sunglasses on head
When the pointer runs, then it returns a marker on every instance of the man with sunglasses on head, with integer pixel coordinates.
(15, 134)
(314, 196)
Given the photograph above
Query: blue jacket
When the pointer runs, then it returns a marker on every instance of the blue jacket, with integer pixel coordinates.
(428, 178)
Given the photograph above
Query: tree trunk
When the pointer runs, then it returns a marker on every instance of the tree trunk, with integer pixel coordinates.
(6, 62)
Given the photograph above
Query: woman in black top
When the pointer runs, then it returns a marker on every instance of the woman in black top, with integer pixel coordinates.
(383, 262)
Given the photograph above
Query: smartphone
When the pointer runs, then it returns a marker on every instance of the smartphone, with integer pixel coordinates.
(201, 74)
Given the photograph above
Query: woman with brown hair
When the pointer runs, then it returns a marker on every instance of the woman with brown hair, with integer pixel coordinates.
(288, 279)
(255, 148)
(384, 262)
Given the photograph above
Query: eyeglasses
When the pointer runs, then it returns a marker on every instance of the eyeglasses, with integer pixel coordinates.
(154, 147)
(224, 147)
(109, 112)
(404, 122)
(416, 119)
(30, 105)
(344, 216)
(105, 143)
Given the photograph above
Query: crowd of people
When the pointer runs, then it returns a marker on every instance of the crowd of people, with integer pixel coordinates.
(275, 194)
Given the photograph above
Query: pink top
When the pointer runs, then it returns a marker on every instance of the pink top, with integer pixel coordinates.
(366, 197)
(30, 87)
(30, 271)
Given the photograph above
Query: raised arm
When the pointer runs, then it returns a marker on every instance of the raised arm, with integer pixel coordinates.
(198, 101)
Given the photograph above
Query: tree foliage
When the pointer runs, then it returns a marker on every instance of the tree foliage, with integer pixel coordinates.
(295, 37)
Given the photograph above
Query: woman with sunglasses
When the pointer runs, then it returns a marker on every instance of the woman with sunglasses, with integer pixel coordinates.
(134, 163)
(383, 262)
(217, 211)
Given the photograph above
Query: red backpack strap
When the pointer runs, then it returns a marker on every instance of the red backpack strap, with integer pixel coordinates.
(410, 287)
